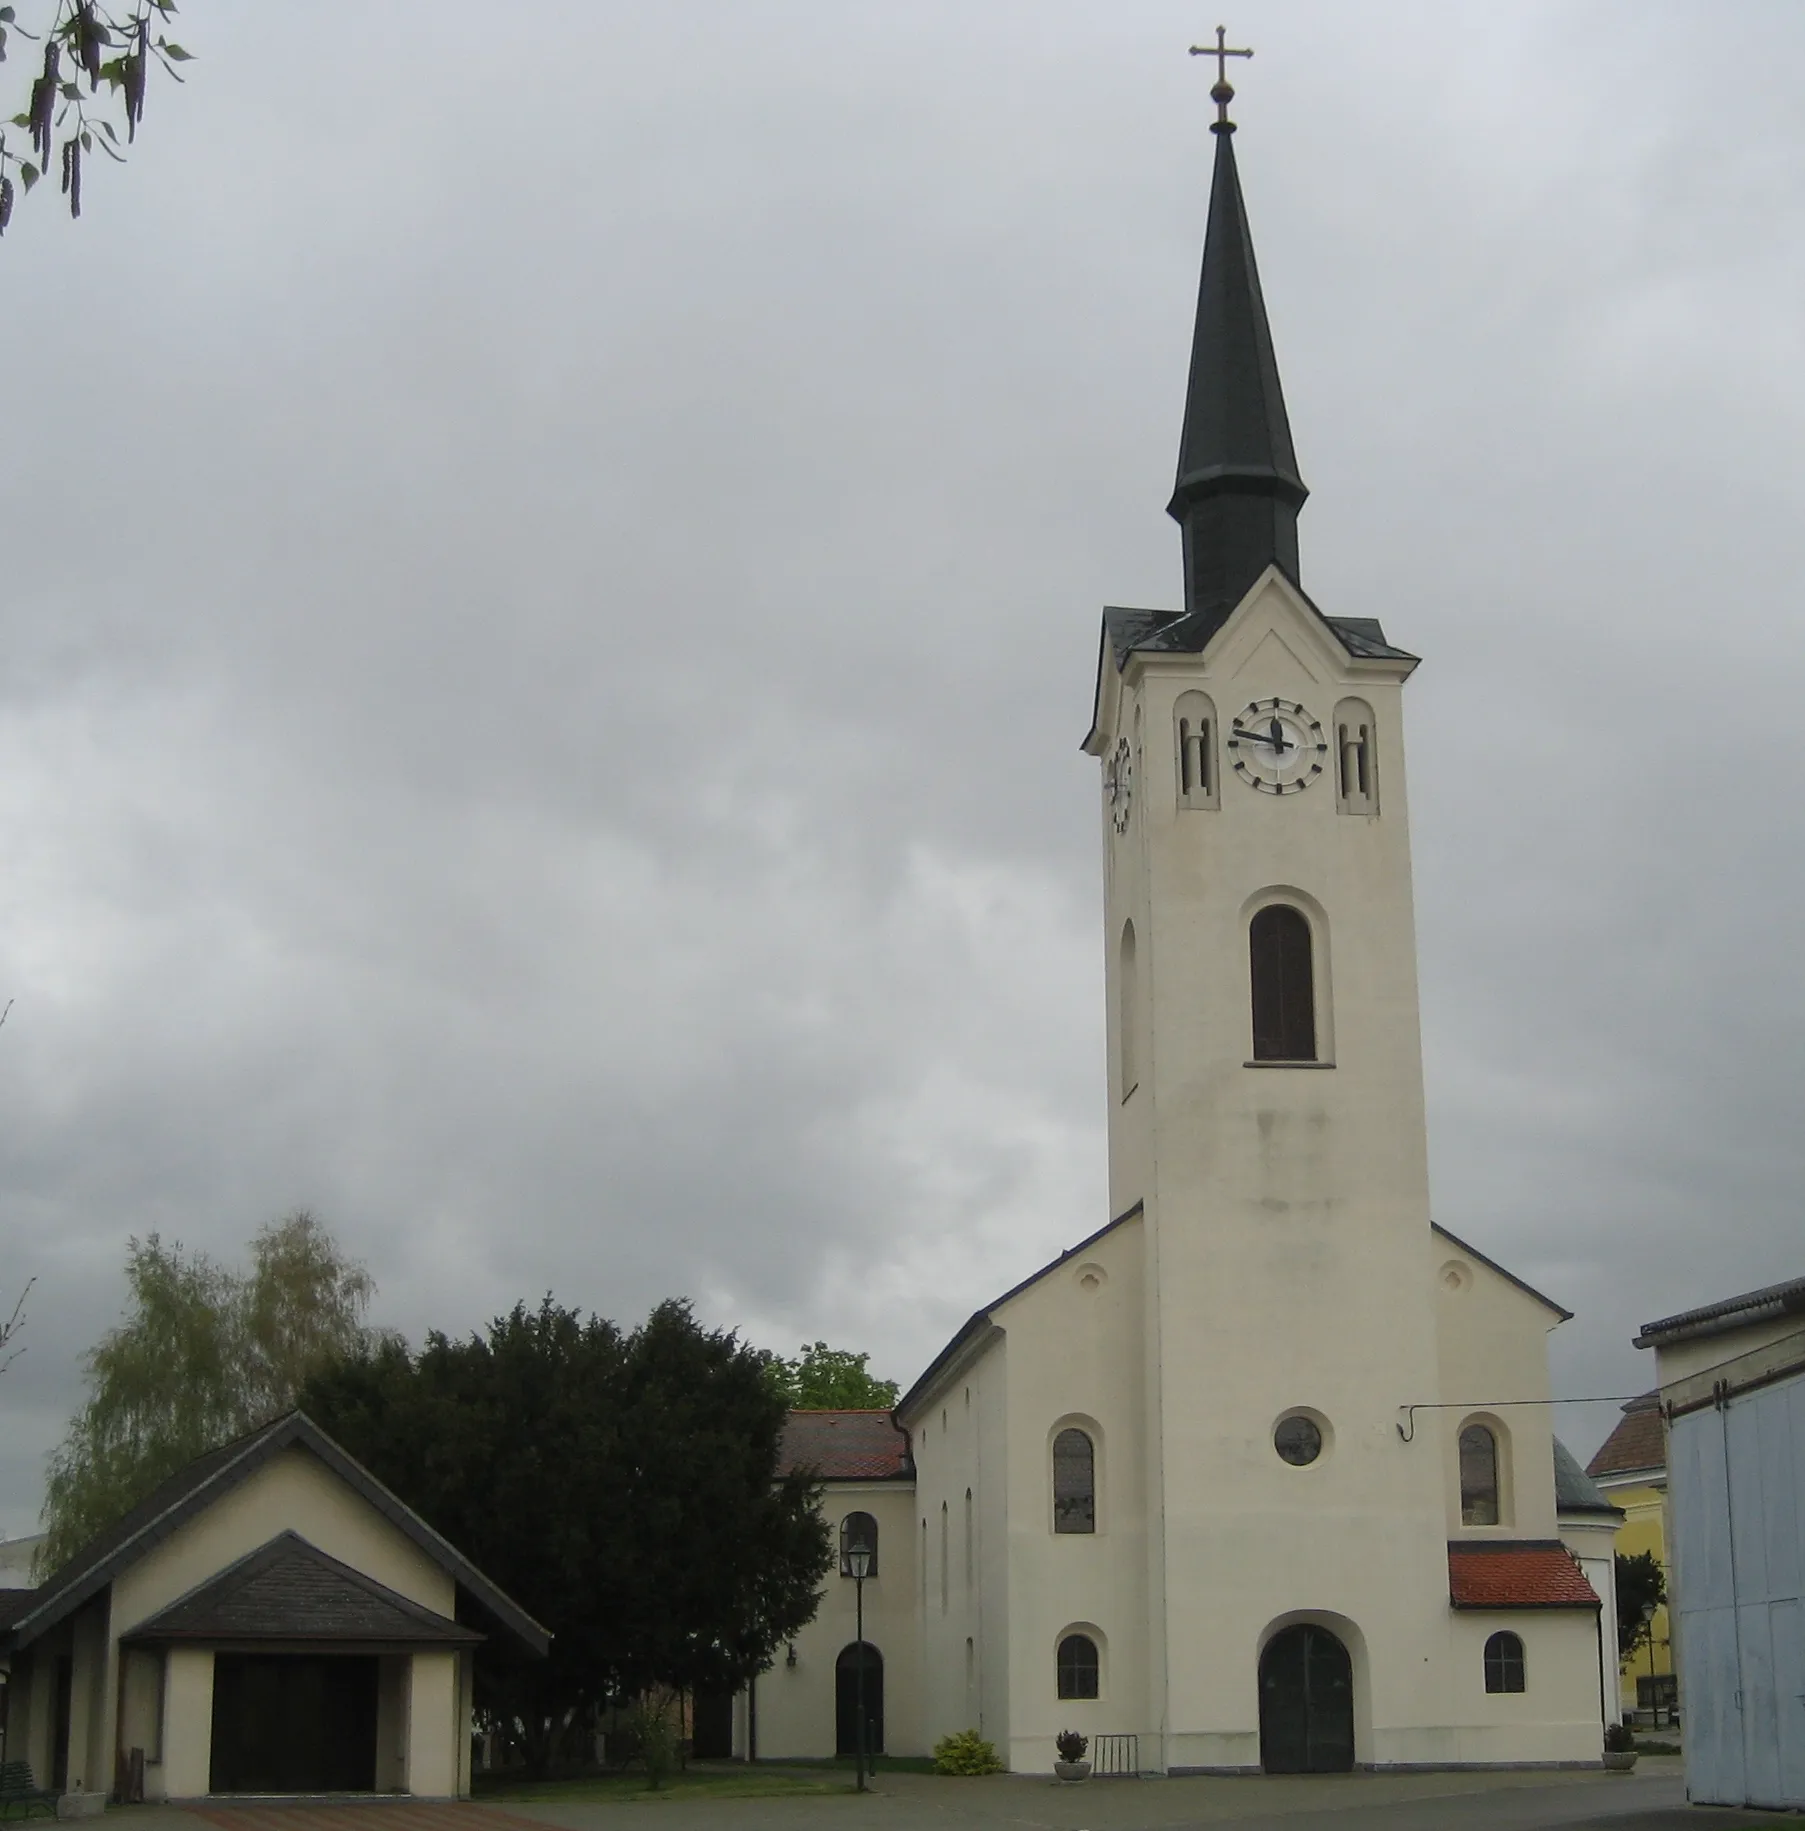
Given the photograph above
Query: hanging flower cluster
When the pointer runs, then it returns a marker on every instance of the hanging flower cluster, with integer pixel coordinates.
(92, 74)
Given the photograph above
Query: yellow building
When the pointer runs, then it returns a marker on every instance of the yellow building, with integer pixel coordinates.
(1631, 1467)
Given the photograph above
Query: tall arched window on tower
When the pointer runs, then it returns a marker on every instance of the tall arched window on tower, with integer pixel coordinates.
(1074, 1482)
(1194, 733)
(1128, 1018)
(1478, 1476)
(1284, 985)
(1356, 758)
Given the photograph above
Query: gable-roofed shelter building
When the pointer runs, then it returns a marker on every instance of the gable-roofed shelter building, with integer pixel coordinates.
(270, 1620)
(1260, 1475)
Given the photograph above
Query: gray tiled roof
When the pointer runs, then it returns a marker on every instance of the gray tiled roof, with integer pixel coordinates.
(1172, 632)
(1574, 1490)
(291, 1590)
(1768, 1304)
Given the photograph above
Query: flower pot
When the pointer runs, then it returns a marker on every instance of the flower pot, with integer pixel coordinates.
(1620, 1760)
(1072, 1770)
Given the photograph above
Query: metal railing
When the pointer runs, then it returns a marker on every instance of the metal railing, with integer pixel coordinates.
(1115, 1757)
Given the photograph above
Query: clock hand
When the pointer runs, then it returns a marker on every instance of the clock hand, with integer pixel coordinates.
(1280, 742)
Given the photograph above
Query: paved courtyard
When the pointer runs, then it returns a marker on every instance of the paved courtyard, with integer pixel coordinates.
(1652, 1799)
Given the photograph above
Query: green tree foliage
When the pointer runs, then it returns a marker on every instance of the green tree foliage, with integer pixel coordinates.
(829, 1379)
(91, 66)
(621, 1486)
(204, 1354)
(1641, 1585)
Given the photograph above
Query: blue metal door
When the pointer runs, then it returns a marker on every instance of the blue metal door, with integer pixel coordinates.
(1737, 1498)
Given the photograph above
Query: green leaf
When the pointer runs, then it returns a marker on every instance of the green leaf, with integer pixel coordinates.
(176, 54)
(6, 15)
(87, 141)
(106, 127)
(22, 120)
(28, 174)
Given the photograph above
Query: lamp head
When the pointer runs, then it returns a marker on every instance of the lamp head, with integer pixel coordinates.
(858, 1560)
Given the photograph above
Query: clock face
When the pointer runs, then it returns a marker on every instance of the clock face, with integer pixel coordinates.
(1118, 784)
(1277, 746)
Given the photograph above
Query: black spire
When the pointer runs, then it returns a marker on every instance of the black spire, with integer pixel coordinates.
(1238, 491)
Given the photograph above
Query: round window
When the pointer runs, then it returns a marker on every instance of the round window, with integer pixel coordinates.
(1298, 1440)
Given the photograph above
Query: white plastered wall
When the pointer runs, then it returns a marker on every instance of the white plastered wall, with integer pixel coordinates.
(1492, 1351)
(796, 1703)
(1076, 1358)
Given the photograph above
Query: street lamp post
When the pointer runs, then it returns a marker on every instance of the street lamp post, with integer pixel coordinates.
(1648, 1627)
(858, 1562)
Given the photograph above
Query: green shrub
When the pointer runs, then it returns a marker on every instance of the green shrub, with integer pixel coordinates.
(1071, 1745)
(653, 1729)
(965, 1752)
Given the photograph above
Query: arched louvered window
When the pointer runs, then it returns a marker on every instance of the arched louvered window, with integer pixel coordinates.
(1074, 1482)
(1356, 758)
(1504, 1663)
(857, 1529)
(1078, 1666)
(1194, 735)
(1284, 985)
(1478, 1476)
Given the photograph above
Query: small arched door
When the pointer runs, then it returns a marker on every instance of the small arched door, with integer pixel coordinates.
(846, 1699)
(1306, 1703)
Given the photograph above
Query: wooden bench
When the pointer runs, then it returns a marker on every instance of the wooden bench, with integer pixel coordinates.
(18, 1790)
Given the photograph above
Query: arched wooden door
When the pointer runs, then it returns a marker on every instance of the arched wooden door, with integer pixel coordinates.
(846, 1699)
(1306, 1703)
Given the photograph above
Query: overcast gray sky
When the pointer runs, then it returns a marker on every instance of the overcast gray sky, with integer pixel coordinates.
(552, 565)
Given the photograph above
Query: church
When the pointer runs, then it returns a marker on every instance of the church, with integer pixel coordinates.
(1261, 1475)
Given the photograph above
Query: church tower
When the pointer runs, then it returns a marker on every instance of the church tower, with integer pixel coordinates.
(1260, 1474)
(1265, 1083)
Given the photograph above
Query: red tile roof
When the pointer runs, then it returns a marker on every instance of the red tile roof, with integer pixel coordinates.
(845, 1446)
(1539, 1573)
(1636, 1443)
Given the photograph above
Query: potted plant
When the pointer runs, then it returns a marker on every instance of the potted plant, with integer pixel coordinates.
(1071, 1764)
(1619, 1748)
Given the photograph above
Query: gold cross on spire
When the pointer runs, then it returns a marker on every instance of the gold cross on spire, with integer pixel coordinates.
(1222, 92)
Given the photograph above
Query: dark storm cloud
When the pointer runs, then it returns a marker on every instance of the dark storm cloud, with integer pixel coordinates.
(546, 639)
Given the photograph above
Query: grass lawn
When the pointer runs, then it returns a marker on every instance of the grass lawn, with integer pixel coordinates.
(874, 1764)
(699, 1781)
